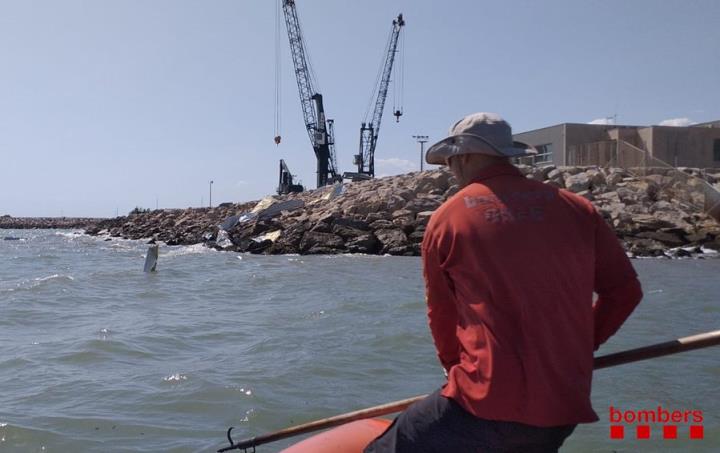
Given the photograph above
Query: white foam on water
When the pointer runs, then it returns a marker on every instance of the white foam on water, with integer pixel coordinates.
(351, 255)
(195, 249)
(70, 234)
(248, 414)
(177, 377)
(104, 333)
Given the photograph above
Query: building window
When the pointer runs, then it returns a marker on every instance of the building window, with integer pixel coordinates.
(716, 150)
(543, 157)
(544, 154)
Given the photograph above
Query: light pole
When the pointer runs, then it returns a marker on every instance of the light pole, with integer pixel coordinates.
(422, 139)
(211, 183)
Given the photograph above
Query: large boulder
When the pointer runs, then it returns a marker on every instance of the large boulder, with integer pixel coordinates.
(664, 237)
(377, 215)
(315, 243)
(645, 247)
(426, 203)
(391, 238)
(427, 181)
(614, 177)
(380, 224)
(597, 179)
(289, 240)
(422, 218)
(577, 183)
(347, 232)
(365, 243)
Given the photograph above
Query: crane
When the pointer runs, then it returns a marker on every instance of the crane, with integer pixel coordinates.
(369, 132)
(320, 130)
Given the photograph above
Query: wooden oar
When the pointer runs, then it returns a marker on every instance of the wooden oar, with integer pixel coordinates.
(702, 340)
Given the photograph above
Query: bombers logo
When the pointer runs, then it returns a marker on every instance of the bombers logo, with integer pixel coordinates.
(689, 421)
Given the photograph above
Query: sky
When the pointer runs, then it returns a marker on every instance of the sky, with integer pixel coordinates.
(108, 105)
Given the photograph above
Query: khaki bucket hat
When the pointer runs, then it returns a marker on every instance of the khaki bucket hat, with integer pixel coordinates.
(479, 133)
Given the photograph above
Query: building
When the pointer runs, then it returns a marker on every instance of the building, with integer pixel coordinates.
(695, 146)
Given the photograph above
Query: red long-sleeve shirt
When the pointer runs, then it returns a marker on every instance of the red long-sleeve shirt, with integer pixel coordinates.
(510, 266)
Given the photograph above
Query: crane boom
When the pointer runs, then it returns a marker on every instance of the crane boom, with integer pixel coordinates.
(310, 100)
(369, 132)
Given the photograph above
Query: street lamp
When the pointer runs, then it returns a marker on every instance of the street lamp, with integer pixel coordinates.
(422, 139)
(211, 183)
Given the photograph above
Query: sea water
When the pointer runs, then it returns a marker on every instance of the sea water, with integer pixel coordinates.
(98, 356)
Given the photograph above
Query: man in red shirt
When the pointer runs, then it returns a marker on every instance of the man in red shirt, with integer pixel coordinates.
(510, 267)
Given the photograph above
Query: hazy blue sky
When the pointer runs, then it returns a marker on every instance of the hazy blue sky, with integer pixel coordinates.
(106, 105)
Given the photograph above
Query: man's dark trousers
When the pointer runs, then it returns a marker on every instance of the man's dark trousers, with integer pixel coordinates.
(439, 424)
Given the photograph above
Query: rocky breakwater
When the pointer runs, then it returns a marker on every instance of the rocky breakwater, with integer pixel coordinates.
(25, 223)
(380, 216)
(388, 215)
(170, 226)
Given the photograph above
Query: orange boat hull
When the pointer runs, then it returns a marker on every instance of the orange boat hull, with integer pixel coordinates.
(348, 438)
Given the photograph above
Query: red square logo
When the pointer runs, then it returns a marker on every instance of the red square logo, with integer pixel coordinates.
(669, 432)
(696, 432)
(642, 431)
(617, 432)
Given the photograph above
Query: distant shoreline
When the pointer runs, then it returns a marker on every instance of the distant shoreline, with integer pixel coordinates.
(8, 222)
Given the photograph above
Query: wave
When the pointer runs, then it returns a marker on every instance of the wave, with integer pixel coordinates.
(102, 349)
(38, 282)
(55, 277)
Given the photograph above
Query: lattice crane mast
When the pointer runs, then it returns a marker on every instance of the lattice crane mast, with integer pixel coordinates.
(320, 130)
(369, 132)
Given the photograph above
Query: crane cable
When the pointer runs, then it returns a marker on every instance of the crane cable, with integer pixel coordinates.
(278, 75)
(378, 78)
(399, 86)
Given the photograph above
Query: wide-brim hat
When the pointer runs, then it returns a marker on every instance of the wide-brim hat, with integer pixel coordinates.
(479, 133)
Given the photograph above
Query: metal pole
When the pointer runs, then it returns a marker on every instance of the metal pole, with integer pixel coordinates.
(211, 183)
(422, 139)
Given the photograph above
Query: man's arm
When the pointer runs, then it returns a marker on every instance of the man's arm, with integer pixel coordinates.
(616, 283)
(442, 312)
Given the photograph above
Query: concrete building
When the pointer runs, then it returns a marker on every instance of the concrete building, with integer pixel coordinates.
(625, 146)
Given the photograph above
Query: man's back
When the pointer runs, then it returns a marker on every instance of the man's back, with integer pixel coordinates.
(511, 265)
